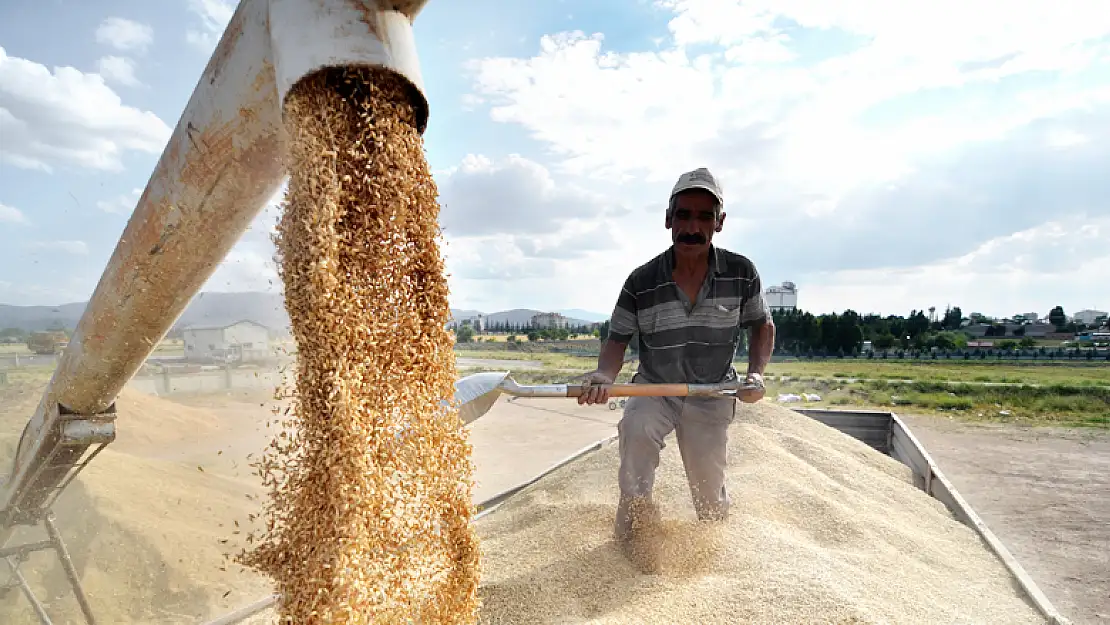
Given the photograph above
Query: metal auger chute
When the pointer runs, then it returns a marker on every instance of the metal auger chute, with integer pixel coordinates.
(221, 165)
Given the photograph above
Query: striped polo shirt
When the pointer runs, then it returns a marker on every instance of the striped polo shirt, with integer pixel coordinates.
(682, 341)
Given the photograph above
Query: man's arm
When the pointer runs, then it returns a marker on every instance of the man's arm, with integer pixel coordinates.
(622, 325)
(611, 360)
(761, 345)
(757, 316)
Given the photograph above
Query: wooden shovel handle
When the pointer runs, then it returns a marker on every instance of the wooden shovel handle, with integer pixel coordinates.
(636, 390)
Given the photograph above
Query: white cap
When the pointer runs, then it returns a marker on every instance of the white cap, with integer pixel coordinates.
(700, 178)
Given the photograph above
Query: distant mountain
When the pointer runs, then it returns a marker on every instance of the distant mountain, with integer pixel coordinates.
(523, 316)
(268, 309)
(588, 315)
(206, 309)
(38, 318)
(222, 309)
(459, 314)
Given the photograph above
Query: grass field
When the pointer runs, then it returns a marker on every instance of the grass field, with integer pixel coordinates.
(522, 337)
(169, 345)
(1011, 372)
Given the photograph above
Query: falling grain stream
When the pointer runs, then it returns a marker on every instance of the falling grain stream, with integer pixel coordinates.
(368, 519)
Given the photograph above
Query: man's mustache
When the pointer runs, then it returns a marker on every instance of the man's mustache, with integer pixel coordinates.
(695, 238)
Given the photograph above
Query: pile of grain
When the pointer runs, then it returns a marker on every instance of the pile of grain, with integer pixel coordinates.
(823, 530)
(147, 535)
(147, 422)
(369, 514)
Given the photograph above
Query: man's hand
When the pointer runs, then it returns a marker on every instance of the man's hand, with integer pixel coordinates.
(594, 389)
(750, 396)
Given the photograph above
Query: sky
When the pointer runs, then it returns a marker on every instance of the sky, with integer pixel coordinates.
(882, 156)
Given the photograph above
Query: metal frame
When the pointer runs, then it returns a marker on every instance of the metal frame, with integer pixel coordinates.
(218, 169)
(900, 443)
(70, 439)
(18, 554)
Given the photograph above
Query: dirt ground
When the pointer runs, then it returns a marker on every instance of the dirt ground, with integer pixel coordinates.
(1045, 492)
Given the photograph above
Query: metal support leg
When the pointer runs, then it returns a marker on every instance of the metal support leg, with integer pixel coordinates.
(71, 571)
(39, 610)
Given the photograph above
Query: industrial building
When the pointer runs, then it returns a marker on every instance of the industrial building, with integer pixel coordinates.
(549, 321)
(242, 341)
(1088, 317)
(782, 298)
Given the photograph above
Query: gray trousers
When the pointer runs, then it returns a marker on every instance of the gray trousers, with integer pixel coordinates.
(700, 425)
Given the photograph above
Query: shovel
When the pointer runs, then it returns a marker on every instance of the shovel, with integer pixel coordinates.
(476, 394)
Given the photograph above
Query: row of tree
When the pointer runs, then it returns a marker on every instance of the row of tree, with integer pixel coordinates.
(466, 334)
(798, 331)
(502, 327)
(801, 332)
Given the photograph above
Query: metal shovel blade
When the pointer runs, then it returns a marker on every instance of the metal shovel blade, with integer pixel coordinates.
(476, 394)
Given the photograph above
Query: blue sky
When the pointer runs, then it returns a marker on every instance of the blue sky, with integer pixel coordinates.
(882, 162)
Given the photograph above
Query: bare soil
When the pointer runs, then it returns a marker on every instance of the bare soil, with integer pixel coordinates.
(1045, 492)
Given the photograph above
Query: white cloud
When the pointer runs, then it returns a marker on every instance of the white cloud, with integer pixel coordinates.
(121, 204)
(245, 269)
(214, 16)
(514, 196)
(1035, 269)
(517, 238)
(118, 69)
(508, 228)
(69, 117)
(77, 248)
(249, 265)
(735, 97)
(124, 34)
(11, 215)
(860, 148)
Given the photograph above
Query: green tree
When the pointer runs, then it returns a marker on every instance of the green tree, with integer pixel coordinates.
(1028, 342)
(945, 340)
(13, 334)
(849, 334)
(953, 317)
(883, 341)
(830, 330)
(533, 336)
(1057, 318)
(917, 323)
(464, 334)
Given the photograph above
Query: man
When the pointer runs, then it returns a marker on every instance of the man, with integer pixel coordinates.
(688, 306)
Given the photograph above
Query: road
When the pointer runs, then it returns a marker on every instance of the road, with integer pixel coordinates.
(11, 361)
(498, 364)
(787, 378)
(1045, 492)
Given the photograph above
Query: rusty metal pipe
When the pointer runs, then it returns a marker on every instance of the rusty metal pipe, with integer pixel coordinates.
(221, 165)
